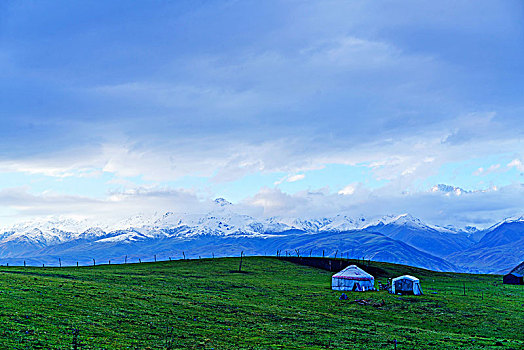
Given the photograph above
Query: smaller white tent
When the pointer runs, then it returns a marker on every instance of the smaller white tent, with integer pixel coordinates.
(352, 278)
(406, 285)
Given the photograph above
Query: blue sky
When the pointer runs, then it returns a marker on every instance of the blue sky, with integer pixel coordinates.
(282, 107)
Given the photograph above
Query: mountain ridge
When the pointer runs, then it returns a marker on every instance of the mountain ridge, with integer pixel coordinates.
(441, 248)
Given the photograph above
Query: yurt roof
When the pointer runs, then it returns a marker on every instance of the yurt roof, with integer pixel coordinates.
(353, 272)
(406, 277)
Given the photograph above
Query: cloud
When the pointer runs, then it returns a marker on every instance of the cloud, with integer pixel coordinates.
(516, 163)
(348, 190)
(442, 205)
(294, 91)
(479, 208)
(297, 89)
(290, 178)
(481, 171)
(24, 205)
(295, 178)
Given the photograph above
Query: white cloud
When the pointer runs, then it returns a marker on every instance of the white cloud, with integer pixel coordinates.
(481, 171)
(290, 178)
(295, 178)
(516, 163)
(348, 190)
(480, 208)
(24, 205)
(305, 92)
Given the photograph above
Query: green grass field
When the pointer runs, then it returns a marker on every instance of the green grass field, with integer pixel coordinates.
(205, 304)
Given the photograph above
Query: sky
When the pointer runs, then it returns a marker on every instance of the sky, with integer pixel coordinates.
(284, 108)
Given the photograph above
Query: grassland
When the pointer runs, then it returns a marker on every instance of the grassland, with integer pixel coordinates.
(206, 304)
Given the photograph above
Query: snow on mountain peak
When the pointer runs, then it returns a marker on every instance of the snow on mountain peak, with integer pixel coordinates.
(408, 219)
(448, 190)
(50, 223)
(222, 221)
(509, 220)
(222, 202)
(515, 219)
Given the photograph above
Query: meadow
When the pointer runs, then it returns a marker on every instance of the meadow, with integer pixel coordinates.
(271, 304)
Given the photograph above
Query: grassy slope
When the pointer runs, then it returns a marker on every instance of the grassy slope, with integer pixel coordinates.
(276, 304)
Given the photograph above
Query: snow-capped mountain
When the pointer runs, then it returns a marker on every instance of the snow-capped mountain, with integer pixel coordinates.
(221, 222)
(398, 220)
(224, 231)
(432, 239)
(510, 220)
(449, 190)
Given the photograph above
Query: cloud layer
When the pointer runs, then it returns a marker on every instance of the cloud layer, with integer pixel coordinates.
(258, 101)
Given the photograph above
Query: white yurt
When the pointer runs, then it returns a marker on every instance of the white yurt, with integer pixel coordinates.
(353, 278)
(406, 285)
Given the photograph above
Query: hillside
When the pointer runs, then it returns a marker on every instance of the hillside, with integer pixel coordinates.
(368, 245)
(207, 304)
(499, 250)
(438, 242)
(353, 244)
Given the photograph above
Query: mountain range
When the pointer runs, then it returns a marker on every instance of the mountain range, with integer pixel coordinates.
(223, 232)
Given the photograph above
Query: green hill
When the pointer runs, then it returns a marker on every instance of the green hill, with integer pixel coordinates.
(273, 304)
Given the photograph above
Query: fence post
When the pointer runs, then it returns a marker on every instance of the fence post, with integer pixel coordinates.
(125, 260)
(60, 262)
(155, 257)
(240, 265)
(94, 262)
(183, 253)
(77, 264)
(24, 263)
